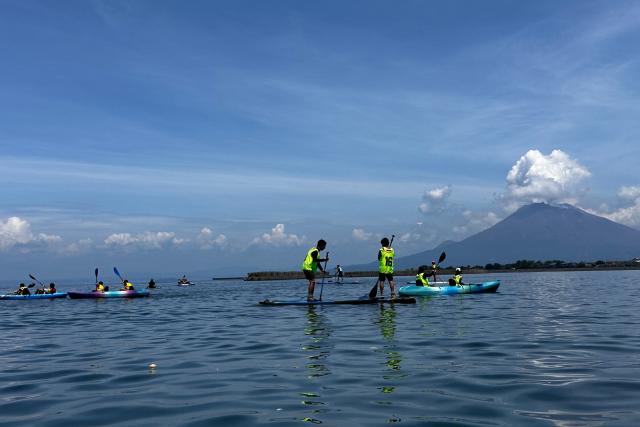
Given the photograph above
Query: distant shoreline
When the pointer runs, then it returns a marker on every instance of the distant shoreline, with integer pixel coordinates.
(298, 275)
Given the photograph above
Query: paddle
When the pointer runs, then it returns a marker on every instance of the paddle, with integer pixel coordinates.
(96, 275)
(443, 256)
(374, 291)
(324, 270)
(115, 270)
(33, 278)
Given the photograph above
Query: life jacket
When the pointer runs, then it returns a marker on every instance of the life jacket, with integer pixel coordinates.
(385, 264)
(421, 280)
(457, 278)
(309, 263)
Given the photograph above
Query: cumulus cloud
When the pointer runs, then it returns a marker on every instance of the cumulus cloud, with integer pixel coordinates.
(278, 237)
(360, 234)
(147, 240)
(207, 240)
(435, 200)
(539, 178)
(17, 232)
(475, 222)
(629, 211)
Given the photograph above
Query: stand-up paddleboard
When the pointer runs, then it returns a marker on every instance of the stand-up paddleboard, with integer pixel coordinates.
(472, 288)
(348, 301)
(35, 296)
(344, 282)
(108, 294)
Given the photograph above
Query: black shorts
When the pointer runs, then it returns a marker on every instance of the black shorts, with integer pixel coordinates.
(309, 275)
(340, 274)
(382, 276)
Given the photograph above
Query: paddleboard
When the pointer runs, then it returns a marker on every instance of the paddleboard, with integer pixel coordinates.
(402, 300)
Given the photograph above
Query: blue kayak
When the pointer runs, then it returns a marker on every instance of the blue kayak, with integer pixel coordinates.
(472, 288)
(348, 301)
(34, 296)
(108, 294)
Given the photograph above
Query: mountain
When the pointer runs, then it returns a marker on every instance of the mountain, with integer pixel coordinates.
(537, 231)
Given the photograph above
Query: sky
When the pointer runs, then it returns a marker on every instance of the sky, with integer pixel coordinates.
(220, 137)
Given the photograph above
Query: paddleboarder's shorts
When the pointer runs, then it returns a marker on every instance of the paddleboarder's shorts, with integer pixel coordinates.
(382, 276)
(309, 275)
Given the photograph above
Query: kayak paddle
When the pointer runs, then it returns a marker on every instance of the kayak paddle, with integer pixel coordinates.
(33, 278)
(324, 270)
(443, 255)
(115, 270)
(96, 272)
(374, 291)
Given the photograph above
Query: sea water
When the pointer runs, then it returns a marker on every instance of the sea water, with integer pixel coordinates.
(549, 349)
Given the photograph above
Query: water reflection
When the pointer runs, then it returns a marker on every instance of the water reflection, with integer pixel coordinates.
(318, 330)
(393, 362)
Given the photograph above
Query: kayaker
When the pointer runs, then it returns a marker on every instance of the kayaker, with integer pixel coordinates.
(311, 263)
(99, 287)
(339, 274)
(151, 284)
(127, 285)
(385, 267)
(52, 288)
(23, 290)
(434, 269)
(183, 281)
(421, 277)
(457, 278)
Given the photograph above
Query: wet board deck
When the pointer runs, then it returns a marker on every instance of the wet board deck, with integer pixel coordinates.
(401, 300)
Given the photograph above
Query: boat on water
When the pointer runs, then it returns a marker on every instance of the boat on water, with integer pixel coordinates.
(109, 294)
(470, 288)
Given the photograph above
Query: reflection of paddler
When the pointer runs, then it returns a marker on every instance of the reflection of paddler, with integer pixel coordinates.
(387, 324)
(319, 331)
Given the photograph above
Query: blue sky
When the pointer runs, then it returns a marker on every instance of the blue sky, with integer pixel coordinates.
(164, 136)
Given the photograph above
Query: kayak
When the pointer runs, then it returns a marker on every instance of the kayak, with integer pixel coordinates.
(413, 282)
(185, 284)
(109, 294)
(347, 301)
(35, 296)
(472, 288)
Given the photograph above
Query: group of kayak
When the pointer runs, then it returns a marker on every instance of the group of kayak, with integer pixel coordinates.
(127, 290)
(386, 255)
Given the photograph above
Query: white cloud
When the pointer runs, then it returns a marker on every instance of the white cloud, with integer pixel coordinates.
(278, 237)
(434, 200)
(17, 232)
(78, 247)
(148, 239)
(360, 234)
(207, 240)
(539, 178)
(629, 211)
(475, 222)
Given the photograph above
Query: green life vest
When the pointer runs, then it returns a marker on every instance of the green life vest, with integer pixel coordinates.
(457, 278)
(309, 263)
(421, 280)
(385, 264)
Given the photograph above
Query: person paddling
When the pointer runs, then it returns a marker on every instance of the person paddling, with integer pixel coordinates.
(151, 284)
(422, 277)
(434, 270)
(339, 274)
(23, 290)
(385, 267)
(100, 287)
(52, 288)
(311, 263)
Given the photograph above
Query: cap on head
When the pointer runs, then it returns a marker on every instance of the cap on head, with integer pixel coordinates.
(384, 241)
(52, 284)
(433, 262)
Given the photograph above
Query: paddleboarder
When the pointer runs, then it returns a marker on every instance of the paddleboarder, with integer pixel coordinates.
(311, 263)
(339, 274)
(385, 267)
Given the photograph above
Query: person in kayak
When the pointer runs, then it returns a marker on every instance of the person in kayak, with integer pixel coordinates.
(434, 270)
(339, 274)
(52, 289)
(385, 267)
(311, 263)
(23, 290)
(127, 285)
(422, 277)
(456, 280)
(100, 287)
(183, 281)
(151, 284)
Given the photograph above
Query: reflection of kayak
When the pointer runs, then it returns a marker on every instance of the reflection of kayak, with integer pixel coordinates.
(350, 301)
(109, 294)
(35, 296)
(472, 288)
(345, 282)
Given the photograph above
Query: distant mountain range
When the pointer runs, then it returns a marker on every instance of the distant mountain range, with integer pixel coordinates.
(537, 231)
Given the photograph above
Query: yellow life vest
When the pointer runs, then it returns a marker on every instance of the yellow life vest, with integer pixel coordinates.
(309, 263)
(421, 280)
(385, 265)
(457, 278)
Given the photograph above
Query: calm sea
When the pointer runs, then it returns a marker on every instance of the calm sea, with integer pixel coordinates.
(549, 349)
